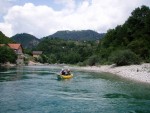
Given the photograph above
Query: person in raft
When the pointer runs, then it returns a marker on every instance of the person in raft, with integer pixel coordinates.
(68, 72)
(65, 72)
(62, 72)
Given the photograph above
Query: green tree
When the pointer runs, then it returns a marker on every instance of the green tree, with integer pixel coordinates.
(134, 35)
(7, 55)
(91, 61)
(124, 57)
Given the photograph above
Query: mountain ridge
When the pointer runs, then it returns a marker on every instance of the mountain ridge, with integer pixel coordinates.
(29, 41)
(77, 35)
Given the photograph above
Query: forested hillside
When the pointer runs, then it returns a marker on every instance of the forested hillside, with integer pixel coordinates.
(131, 37)
(66, 51)
(77, 35)
(27, 40)
(4, 39)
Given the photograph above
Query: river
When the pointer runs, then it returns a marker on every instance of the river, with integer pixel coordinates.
(35, 89)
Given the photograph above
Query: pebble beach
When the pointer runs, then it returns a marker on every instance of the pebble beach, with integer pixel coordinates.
(140, 73)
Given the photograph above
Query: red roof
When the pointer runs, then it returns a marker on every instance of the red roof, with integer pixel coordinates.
(14, 46)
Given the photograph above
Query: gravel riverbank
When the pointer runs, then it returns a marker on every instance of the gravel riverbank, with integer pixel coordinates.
(139, 73)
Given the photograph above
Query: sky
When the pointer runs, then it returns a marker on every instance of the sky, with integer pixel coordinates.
(45, 17)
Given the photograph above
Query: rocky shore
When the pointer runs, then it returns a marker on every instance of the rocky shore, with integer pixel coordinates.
(7, 65)
(31, 63)
(140, 73)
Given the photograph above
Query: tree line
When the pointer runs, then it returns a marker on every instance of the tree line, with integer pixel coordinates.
(128, 43)
(57, 50)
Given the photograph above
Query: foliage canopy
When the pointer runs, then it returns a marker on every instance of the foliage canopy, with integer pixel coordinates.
(133, 35)
(66, 51)
(7, 55)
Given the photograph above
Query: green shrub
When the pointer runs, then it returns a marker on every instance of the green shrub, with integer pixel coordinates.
(81, 63)
(93, 60)
(7, 55)
(26, 61)
(124, 57)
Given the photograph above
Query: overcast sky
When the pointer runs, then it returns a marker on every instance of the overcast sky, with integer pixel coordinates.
(44, 17)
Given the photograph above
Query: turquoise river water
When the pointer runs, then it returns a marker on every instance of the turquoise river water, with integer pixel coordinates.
(35, 89)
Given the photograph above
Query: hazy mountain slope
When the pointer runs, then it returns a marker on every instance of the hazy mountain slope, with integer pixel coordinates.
(27, 40)
(77, 35)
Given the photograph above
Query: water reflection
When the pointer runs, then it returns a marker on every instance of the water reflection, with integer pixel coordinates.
(3, 69)
(19, 73)
(116, 95)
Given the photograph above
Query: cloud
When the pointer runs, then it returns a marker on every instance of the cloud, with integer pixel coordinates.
(6, 28)
(98, 15)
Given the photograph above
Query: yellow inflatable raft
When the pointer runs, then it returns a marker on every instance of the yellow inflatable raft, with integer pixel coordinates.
(64, 76)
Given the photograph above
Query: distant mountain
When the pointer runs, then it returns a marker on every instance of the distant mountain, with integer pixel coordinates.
(77, 35)
(27, 40)
(4, 39)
